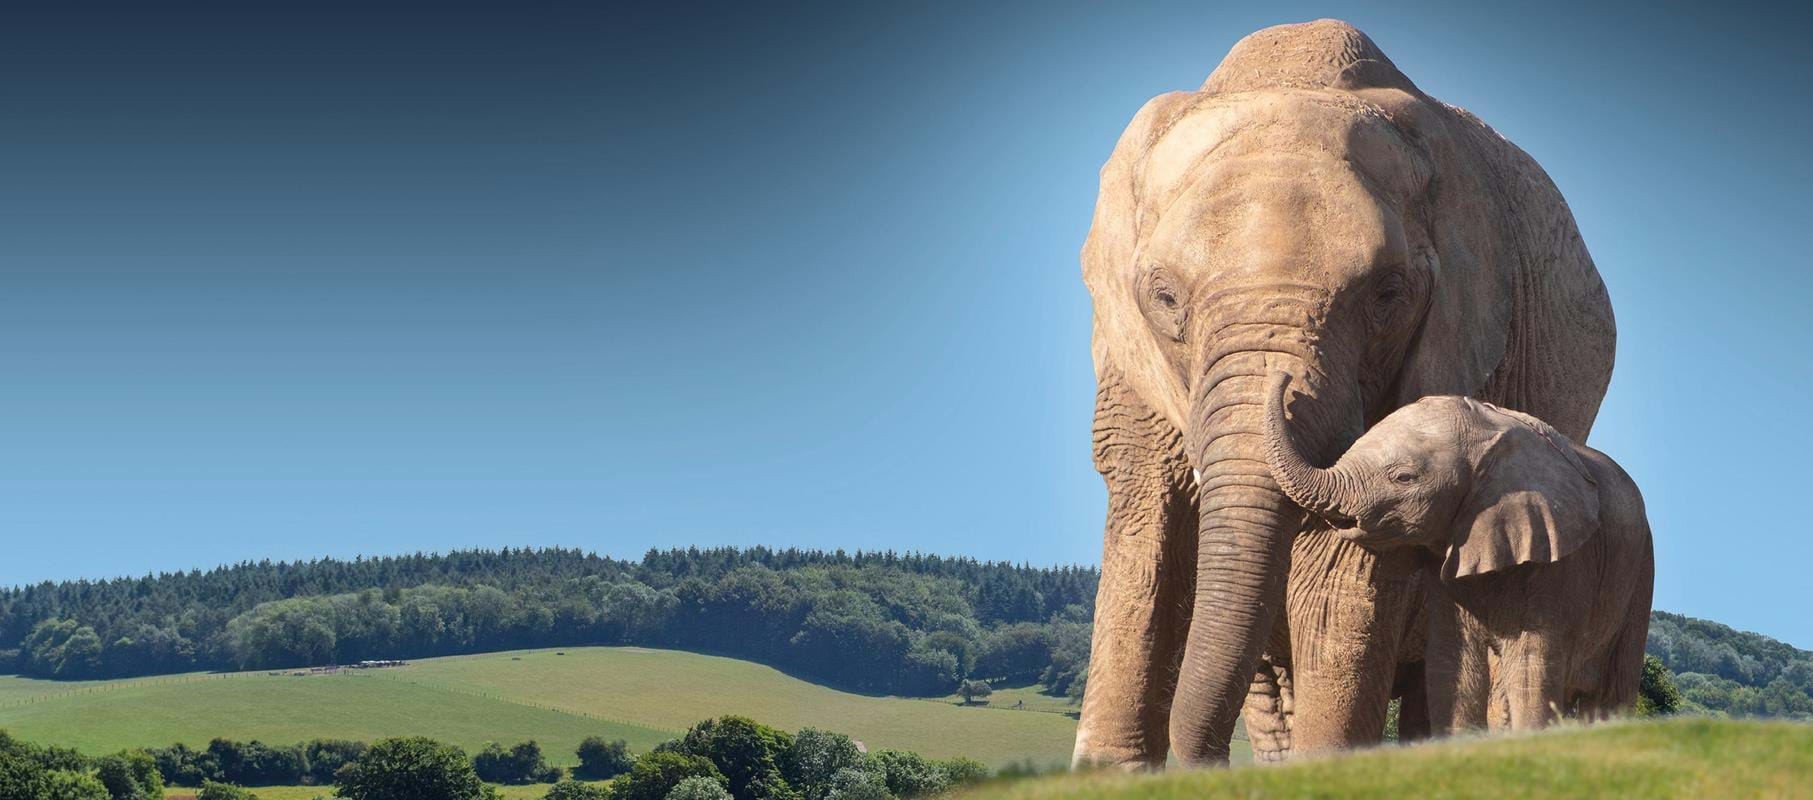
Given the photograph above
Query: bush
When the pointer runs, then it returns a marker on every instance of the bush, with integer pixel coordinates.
(699, 788)
(412, 768)
(574, 790)
(517, 766)
(224, 791)
(325, 757)
(1656, 694)
(851, 783)
(908, 774)
(748, 753)
(601, 760)
(255, 763)
(816, 758)
(131, 775)
(182, 765)
(971, 691)
(657, 773)
(962, 771)
(66, 785)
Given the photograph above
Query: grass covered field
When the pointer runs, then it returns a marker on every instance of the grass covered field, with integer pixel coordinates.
(641, 695)
(1676, 758)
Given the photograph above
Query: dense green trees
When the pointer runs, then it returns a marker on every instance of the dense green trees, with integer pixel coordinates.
(1656, 692)
(658, 772)
(30, 772)
(1734, 672)
(411, 768)
(877, 622)
(131, 775)
(600, 760)
(517, 765)
(727, 758)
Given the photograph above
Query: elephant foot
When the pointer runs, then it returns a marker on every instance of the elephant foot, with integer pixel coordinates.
(1268, 712)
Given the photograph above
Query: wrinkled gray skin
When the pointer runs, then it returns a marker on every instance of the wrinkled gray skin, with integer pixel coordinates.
(1539, 556)
(1310, 211)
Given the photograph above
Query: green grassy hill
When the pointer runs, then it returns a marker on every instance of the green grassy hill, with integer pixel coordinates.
(1684, 758)
(641, 695)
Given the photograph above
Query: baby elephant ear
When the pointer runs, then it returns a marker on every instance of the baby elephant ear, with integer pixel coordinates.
(1533, 500)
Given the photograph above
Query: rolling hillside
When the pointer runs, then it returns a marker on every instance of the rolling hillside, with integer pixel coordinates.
(1677, 758)
(644, 696)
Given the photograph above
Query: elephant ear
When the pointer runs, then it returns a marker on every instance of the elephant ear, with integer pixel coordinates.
(1533, 501)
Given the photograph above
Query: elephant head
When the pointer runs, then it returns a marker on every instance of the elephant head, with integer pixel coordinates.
(1310, 211)
(1482, 487)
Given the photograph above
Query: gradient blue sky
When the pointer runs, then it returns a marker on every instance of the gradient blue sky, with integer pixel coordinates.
(325, 280)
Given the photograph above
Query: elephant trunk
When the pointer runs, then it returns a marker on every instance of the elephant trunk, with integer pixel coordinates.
(1246, 521)
(1320, 491)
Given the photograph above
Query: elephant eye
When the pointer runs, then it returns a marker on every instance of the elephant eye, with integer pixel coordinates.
(1163, 304)
(1388, 297)
(1404, 477)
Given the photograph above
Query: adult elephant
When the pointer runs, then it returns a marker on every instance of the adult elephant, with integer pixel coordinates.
(1307, 211)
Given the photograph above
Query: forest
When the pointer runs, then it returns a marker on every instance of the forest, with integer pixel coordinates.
(874, 622)
(908, 624)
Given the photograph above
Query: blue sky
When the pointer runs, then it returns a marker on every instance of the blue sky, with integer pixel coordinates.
(326, 280)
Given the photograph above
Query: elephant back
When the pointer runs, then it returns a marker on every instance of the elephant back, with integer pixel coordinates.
(1324, 54)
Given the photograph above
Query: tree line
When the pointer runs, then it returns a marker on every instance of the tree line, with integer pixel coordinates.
(728, 758)
(883, 622)
(1729, 671)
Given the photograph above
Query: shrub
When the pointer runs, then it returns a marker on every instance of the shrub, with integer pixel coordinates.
(908, 774)
(516, 766)
(224, 791)
(131, 775)
(182, 765)
(411, 768)
(971, 691)
(1656, 694)
(962, 771)
(255, 763)
(325, 757)
(574, 790)
(851, 783)
(602, 760)
(63, 784)
(657, 773)
(816, 758)
(699, 788)
(748, 753)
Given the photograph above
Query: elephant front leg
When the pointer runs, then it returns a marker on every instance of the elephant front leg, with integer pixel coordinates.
(1529, 678)
(1142, 607)
(1457, 672)
(1348, 610)
(1268, 712)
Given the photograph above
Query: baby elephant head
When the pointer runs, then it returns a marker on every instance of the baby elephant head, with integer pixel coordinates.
(1483, 487)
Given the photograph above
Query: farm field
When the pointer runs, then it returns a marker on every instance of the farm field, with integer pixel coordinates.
(1675, 758)
(644, 696)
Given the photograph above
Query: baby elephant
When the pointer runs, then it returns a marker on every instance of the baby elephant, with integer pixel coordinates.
(1540, 561)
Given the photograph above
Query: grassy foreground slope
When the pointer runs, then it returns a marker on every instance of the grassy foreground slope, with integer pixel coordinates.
(641, 695)
(1683, 757)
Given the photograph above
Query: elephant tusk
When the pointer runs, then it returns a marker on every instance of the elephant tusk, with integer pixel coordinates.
(1196, 477)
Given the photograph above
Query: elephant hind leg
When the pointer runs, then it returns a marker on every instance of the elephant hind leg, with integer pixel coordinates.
(1267, 712)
